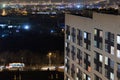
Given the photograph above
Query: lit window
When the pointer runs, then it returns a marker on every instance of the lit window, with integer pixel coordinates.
(77, 78)
(112, 50)
(101, 33)
(85, 35)
(89, 78)
(66, 44)
(84, 76)
(118, 39)
(77, 70)
(106, 60)
(111, 76)
(69, 37)
(65, 69)
(95, 32)
(118, 53)
(100, 58)
(65, 60)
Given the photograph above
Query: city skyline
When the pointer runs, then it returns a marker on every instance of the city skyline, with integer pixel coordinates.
(48, 0)
(85, 2)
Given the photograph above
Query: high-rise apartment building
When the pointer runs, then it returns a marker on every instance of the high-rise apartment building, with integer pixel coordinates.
(92, 47)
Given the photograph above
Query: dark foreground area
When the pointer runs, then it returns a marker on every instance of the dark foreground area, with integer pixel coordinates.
(31, 75)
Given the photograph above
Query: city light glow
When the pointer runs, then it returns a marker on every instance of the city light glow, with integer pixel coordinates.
(26, 27)
(4, 5)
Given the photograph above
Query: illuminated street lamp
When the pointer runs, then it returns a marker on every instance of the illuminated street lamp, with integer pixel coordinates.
(49, 56)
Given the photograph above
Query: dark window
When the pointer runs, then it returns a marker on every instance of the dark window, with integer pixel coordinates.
(79, 37)
(87, 64)
(73, 35)
(98, 38)
(87, 41)
(79, 57)
(67, 32)
(109, 42)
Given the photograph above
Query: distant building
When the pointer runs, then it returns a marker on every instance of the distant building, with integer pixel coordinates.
(92, 47)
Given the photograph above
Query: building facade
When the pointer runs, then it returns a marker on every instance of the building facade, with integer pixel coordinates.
(92, 47)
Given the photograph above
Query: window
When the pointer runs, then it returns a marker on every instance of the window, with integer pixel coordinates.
(111, 76)
(66, 44)
(86, 77)
(118, 53)
(78, 74)
(73, 71)
(89, 58)
(95, 32)
(67, 66)
(69, 37)
(106, 35)
(100, 58)
(112, 64)
(118, 39)
(77, 70)
(109, 68)
(106, 72)
(73, 52)
(98, 62)
(109, 43)
(100, 45)
(77, 78)
(118, 71)
(67, 32)
(85, 35)
(65, 60)
(98, 40)
(101, 33)
(87, 64)
(112, 37)
(65, 69)
(106, 60)
(118, 67)
(79, 37)
(87, 41)
(106, 47)
(89, 78)
(112, 50)
(67, 49)
(73, 35)
(79, 57)
(95, 43)
(89, 36)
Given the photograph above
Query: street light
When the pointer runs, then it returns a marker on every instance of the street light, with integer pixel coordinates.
(22, 62)
(49, 56)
